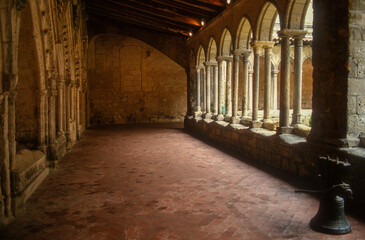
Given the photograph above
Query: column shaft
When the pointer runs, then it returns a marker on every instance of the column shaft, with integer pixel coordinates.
(245, 86)
(207, 91)
(229, 89)
(249, 90)
(220, 89)
(255, 85)
(275, 90)
(198, 107)
(284, 85)
(267, 95)
(236, 70)
(215, 89)
(204, 90)
(297, 101)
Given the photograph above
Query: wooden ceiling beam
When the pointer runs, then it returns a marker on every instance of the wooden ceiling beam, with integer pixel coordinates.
(143, 17)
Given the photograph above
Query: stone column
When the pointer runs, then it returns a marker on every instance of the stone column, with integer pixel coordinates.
(42, 120)
(61, 130)
(215, 88)
(284, 83)
(220, 116)
(228, 115)
(11, 129)
(297, 98)
(249, 90)
(245, 54)
(198, 110)
(52, 152)
(4, 160)
(255, 85)
(236, 69)
(204, 110)
(275, 89)
(68, 114)
(78, 126)
(267, 91)
(208, 114)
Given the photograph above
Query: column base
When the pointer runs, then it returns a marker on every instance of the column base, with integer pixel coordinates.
(284, 130)
(197, 114)
(269, 124)
(296, 118)
(235, 120)
(255, 124)
(227, 118)
(208, 116)
(246, 121)
(219, 117)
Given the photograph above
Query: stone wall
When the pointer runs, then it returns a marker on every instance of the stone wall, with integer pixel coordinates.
(27, 96)
(287, 152)
(130, 81)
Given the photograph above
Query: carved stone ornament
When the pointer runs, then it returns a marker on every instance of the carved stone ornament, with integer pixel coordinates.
(20, 4)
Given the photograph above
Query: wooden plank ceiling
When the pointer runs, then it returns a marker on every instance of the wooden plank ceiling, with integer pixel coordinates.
(170, 16)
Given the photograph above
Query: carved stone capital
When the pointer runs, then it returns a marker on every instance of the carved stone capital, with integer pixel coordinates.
(207, 64)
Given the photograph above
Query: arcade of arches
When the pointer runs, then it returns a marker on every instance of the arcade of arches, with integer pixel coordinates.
(255, 79)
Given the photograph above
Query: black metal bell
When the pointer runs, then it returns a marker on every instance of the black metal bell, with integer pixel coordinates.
(330, 217)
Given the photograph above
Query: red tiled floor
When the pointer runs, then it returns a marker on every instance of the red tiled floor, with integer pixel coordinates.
(152, 183)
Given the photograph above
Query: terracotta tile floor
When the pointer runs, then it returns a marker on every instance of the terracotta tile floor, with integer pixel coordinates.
(153, 183)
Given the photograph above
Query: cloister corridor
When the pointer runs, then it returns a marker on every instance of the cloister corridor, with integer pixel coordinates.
(156, 181)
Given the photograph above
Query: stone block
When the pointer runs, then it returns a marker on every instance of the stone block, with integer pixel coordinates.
(360, 109)
(301, 130)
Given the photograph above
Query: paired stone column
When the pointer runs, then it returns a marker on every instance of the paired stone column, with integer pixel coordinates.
(208, 65)
(220, 116)
(267, 91)
(204, 109)
(284, 126)
(42, 94)
(228, 115)
(68, 113)
(249, 90)
(52, 152)
(60, 97)
(236, 69)
(255, 84)
(297, 100)
(274, 89)
(198, 110)
(245, 98)
(215, 88)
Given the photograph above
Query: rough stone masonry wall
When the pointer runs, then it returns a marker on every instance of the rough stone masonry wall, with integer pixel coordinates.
(132, 82)
(287, 152)
(356, 90)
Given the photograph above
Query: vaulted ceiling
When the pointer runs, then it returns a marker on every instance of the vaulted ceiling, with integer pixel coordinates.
(172, 16)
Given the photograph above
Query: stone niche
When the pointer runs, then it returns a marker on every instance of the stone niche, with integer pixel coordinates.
(132, 82)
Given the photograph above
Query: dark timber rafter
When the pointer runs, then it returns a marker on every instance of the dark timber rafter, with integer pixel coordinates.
(174, 16)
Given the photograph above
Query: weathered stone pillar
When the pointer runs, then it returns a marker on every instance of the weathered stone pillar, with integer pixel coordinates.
(249, 90)
(204, 110)
(245, 54)
(255, 85)
(284, 83)
(267, 93)
(228, 115)
(208, 114)
(78, 126)
(61, 130)
(11, 129)
(297, 97)
(275, 89)
(220, 116)
(5, 163)
(198, 110)
(52, 151)
(215, 89)
(68, 114)
(42, 94)
(236, 69)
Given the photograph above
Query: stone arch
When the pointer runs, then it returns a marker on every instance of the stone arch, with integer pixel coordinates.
(225, 43)
(201, 56)
(296, 13)
(212, 50)
(266, 22)
(244, 34)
